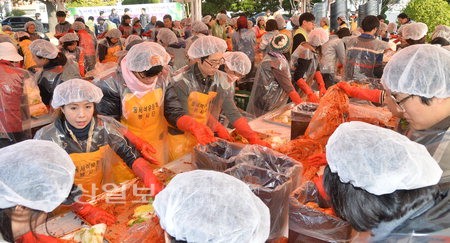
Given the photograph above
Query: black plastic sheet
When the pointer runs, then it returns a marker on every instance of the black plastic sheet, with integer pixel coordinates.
(307, 224)
(217, 156)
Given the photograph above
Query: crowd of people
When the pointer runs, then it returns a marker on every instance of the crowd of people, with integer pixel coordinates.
(149, 90)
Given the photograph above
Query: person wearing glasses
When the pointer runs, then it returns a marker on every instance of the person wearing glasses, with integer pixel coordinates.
(140, 94)
(204, 92)
(419, 95)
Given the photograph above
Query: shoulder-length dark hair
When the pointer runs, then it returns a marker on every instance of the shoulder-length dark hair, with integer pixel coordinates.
(6, 218)
(59, 60)
(364, 210)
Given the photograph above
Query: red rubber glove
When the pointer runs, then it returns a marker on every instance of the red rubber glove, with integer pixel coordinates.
(143, 170)
(93, 215)
(373, 95)
(222, 132)
(144, 148)
(319, 79)
(307, 90)
(244, 129)
(295, 97)
(201, 132)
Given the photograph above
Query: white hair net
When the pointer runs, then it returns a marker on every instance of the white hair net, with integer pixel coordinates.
(327, 21)
(295, 19)
(199, 27)
(36, 174)
(318, 37)
(75, 90)
(343, 18)
(78, 25)
(27, 24)
(206, 19)
(205, 46)
(237, 61)
(419, 70)
(209, 206)
(69, 37)
(441, 31)
(260, 18)
(414, 31)
(145, 55)
(221, 16)
(43, 48)
(166, 37)
(383, 27)
(281, 23)
(379, 160)
(131, 38)
(392, 27)
(113, 33)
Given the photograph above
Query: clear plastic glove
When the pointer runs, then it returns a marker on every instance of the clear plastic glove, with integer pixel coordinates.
(93, 215)
(373, 95)
(244, 129)
(144, 148)
(144, 171)
(201, 132)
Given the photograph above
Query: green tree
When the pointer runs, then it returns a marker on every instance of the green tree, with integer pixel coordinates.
(17, 12)
(91, 3)
(430, 12)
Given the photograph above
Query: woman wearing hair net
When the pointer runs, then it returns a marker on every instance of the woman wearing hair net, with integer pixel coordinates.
(30, 28)
(204, 92)
(69, 46)
(209, 206)
(305, 62)
(380, 181)
(35, 178)
(88, 42)
(419, 95)
(273, 86)
(237, 65)
(88, 139)
(413, 34)
(54, 72)
(108, 47)
(140, 94)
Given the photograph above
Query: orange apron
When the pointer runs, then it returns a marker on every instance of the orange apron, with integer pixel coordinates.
(144, 117)
(198, 108)
(111, 54)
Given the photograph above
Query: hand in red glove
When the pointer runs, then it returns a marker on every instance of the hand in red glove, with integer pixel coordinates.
(93, 215)
(318, 182)
(319, 79)
(201, 132)
(222, 132)
(143, 170)
(373, 95)
(295, 97)
(144, 148)
(244, 129)
(307, 90)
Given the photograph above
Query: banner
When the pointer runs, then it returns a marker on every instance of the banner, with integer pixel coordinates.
(176, 10)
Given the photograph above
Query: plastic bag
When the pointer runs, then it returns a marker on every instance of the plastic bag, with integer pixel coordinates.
(272, 188)
(218, 156)
(149, 231)
(269, 159)
(307, 224)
